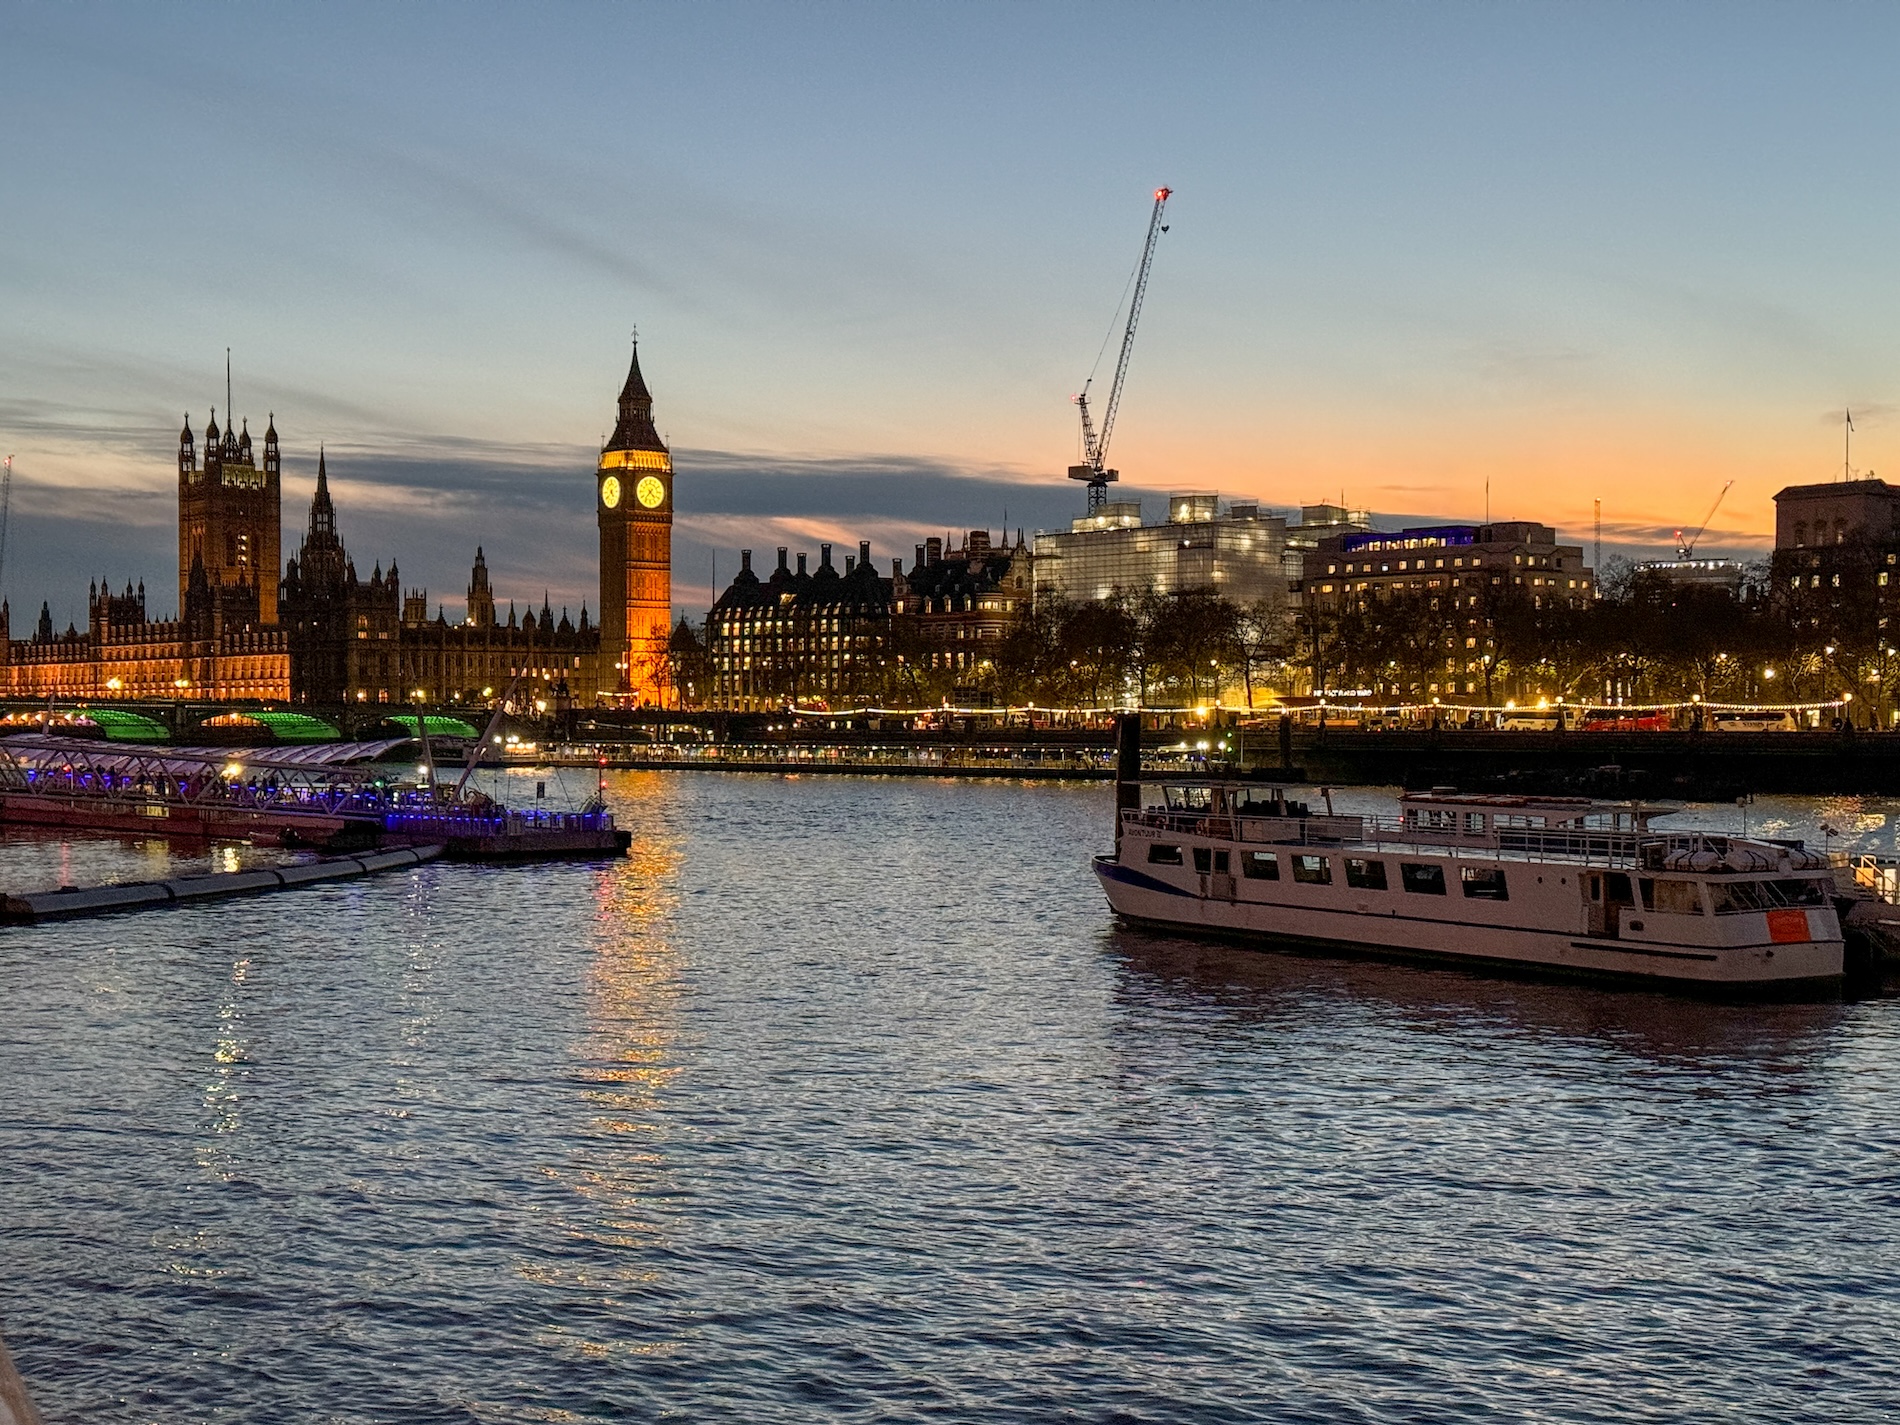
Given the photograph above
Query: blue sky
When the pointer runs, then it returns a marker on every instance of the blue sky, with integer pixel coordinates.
(1609, 252)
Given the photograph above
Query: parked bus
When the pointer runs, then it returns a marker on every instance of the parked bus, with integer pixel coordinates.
(1755, 721)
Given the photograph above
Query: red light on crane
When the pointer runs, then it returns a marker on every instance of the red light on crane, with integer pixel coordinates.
(1163, 193)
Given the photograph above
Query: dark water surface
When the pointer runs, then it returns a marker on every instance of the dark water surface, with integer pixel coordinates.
(844, 1100)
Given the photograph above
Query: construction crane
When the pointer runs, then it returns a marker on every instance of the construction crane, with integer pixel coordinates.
(1685, 548)
(1095, 443)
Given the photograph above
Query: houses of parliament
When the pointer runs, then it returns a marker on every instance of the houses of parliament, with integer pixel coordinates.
(314, 631)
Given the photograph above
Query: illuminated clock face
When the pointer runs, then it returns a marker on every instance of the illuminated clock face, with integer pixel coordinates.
(610, 491)
(650, 492)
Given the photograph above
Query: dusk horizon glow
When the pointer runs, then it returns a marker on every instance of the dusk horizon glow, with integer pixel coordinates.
(1578, 255)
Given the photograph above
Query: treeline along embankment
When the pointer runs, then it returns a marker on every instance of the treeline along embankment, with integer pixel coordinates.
(1699, 766)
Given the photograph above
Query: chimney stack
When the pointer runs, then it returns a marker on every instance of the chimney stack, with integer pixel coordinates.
(781, 560)
(745, 561)
(801, 564)
(934, 548)
(864, 552)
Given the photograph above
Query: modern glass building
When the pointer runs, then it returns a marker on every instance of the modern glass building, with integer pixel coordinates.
(1240, 551)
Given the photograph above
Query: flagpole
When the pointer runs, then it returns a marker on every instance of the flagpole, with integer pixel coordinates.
(1847, 446)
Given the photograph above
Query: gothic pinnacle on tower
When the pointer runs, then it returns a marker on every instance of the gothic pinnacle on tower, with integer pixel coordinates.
(635, 430)
(322, 511)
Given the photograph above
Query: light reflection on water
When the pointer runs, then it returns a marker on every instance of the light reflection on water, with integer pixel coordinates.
(844, 1098)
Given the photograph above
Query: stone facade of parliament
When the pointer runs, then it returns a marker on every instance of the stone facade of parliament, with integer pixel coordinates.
(323, 635)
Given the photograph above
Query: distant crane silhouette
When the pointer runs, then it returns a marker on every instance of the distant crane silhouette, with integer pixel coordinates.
(1685, 548)
(1094, 443)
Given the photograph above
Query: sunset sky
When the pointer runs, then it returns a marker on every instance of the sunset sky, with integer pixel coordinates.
(1583, 252)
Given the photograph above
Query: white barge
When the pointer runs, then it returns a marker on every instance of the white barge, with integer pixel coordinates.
(1558, 884)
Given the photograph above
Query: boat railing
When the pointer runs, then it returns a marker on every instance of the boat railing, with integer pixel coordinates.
(1879, 874)
(461, 824)
(1575, 845)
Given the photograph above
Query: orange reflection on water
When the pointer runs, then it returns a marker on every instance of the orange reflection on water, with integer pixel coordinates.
(625, 1060)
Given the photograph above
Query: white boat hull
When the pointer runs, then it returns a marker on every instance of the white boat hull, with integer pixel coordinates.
(1747, 954)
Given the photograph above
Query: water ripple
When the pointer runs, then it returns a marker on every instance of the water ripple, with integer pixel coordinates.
(844, 1100)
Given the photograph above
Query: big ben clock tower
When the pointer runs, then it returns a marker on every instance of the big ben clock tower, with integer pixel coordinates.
(634, 501)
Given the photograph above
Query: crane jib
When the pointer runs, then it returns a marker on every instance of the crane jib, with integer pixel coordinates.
(1095, 442)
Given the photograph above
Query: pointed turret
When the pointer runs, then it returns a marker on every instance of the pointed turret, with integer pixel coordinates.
(187, 451)
(322, 511)
(481, 597)
(635, 430)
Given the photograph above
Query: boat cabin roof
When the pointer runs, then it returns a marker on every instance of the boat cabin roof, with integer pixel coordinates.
(1442, 809)
(1523, 810)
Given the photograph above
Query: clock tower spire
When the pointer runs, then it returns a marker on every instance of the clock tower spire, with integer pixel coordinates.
(634, 502)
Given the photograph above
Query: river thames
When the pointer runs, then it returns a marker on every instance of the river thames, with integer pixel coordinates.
(845, 1100)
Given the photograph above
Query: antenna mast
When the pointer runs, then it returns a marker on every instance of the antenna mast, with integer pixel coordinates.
(6, 508)
(1094, 443)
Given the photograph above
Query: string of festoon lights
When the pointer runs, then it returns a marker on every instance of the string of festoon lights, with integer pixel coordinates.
(1299, 706)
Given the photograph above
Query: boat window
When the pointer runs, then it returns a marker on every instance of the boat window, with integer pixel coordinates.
(1799, 892)
(1366, 875)
(1422, 878)
(1736, 897)
(1159, 855)
(1189, 798)
(1484, 883)
(1203, 859)
(1672, 897)
(1313, 870)
(1260, 866)
(1223, 864)
(1514, 822)
(1474, 821)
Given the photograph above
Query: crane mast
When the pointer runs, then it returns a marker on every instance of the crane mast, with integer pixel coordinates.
(1093, 468)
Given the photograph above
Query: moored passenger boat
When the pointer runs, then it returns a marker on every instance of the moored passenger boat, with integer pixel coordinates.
(1555, 884)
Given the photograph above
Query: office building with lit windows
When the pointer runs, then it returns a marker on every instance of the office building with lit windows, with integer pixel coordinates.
(1239, 550)
(811, 637)
(1446, 584)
